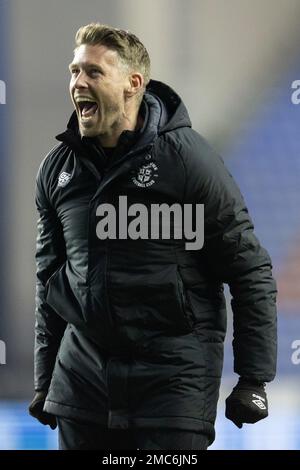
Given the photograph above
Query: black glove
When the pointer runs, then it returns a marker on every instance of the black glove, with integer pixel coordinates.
(247, 402)
(36, 410)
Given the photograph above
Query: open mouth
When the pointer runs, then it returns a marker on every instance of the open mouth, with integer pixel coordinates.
(88, 108)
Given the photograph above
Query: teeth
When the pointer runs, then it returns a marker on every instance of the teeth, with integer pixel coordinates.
(84, 99)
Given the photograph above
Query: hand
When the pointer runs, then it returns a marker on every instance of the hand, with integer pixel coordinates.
(36, 410)
(247, 403)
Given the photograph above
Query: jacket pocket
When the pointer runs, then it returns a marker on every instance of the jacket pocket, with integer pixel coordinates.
(151, 300)
(185, 304)
(61, 297)
(52, 277)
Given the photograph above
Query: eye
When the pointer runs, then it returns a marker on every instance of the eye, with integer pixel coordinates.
(74, 71)
(95, 72)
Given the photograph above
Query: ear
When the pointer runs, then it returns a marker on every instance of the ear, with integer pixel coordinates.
(136, 82)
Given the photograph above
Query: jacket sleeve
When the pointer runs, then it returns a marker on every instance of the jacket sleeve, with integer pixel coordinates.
(234, 255)
(50, 255)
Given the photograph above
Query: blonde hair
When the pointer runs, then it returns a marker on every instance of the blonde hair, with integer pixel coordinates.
(129, 48)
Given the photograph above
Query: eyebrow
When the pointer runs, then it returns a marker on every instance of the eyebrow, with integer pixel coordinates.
(85, 66)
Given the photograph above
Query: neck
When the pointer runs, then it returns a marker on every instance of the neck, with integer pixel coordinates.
(130, 122)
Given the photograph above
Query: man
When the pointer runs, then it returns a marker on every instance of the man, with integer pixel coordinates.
(130, 328)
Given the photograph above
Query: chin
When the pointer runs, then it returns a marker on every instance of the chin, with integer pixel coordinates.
(84, 132)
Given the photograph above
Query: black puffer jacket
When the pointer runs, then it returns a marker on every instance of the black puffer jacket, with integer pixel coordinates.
(130, 332)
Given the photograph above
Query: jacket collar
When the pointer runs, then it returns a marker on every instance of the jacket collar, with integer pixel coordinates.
(140, 138)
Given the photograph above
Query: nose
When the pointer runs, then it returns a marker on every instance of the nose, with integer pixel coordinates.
(80, 80)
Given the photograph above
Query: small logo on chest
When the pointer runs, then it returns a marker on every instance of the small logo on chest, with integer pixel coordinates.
(63, 179)
(145, 175)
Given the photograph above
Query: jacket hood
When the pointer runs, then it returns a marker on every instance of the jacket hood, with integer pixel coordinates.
(174, 112)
